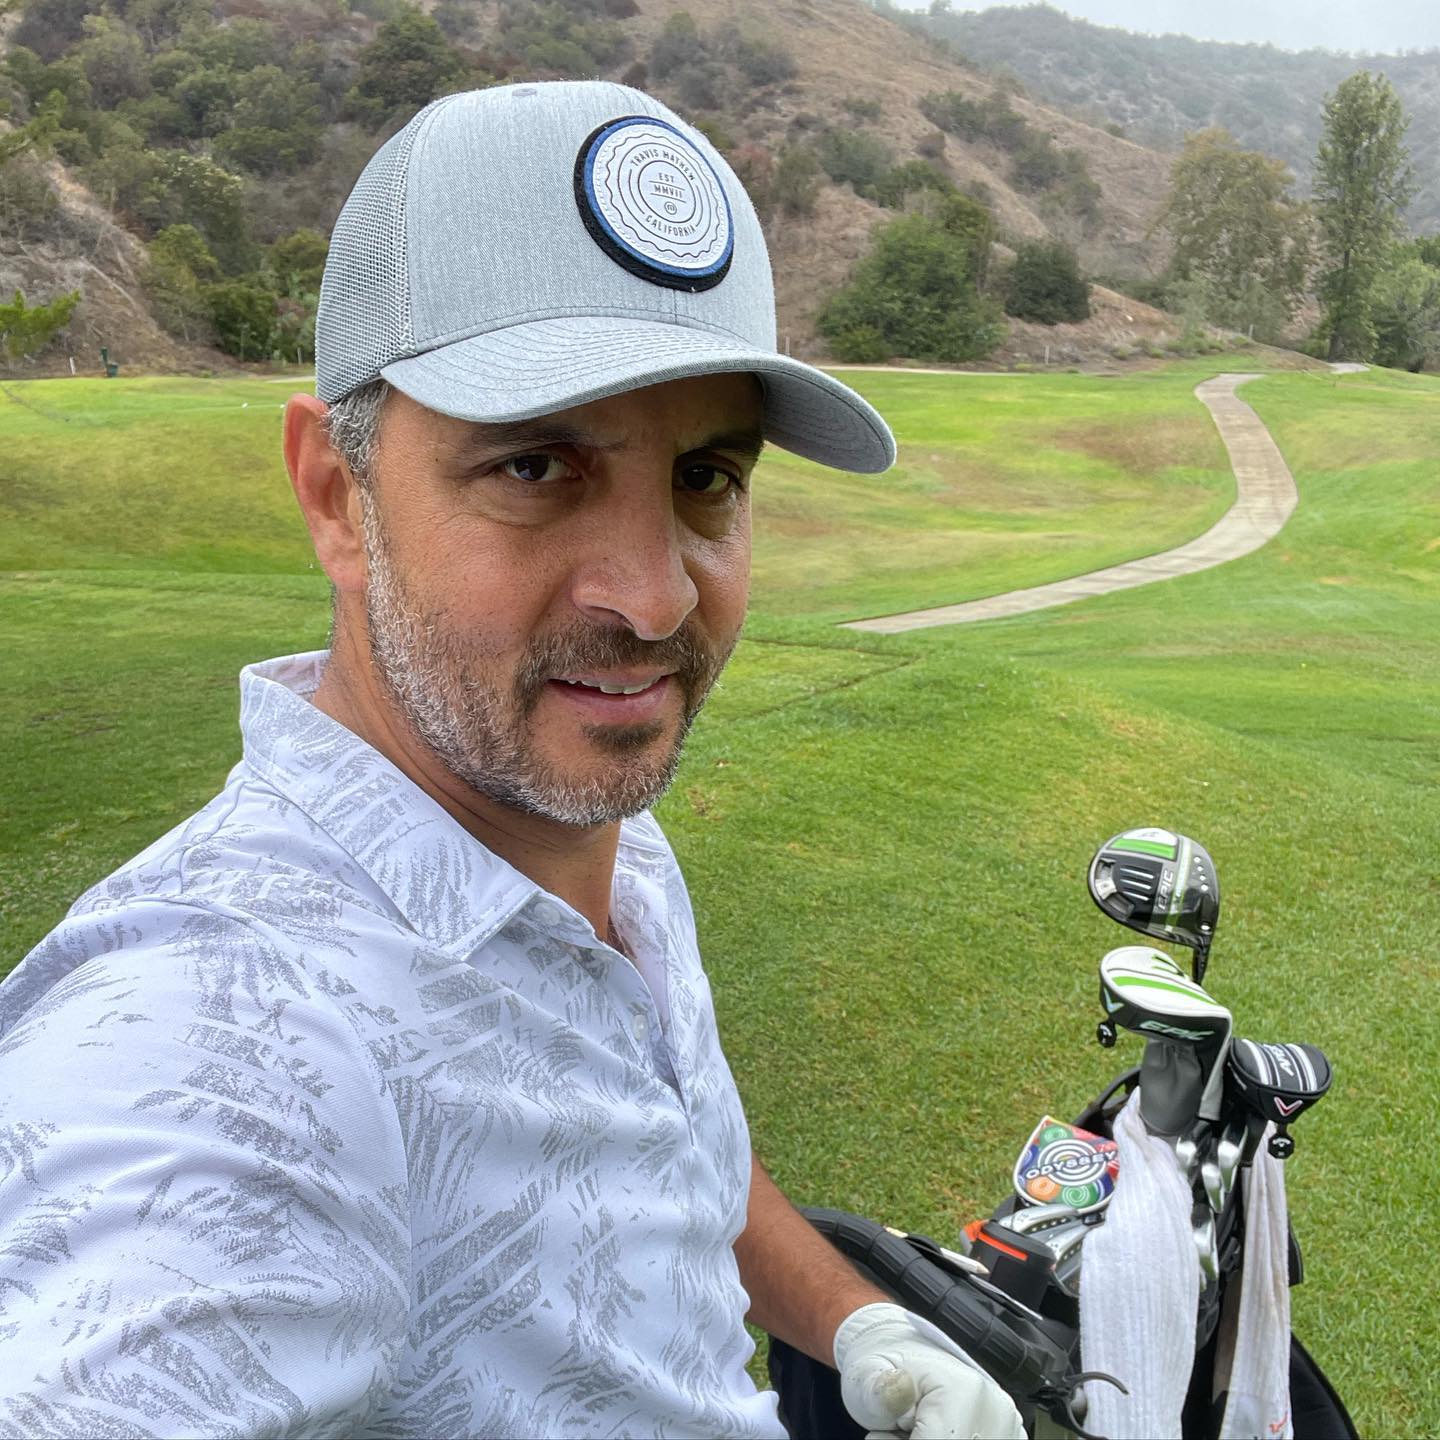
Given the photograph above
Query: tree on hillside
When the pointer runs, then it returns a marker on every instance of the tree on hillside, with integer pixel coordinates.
(181, 189)
(916, 293)
(27, 329)
(37, 133)
(1362, 185)
(1239, 232)
(51, 27)
(408, 64)
(180, 261)
(114, 62)
(245, 317)
(1045, 285)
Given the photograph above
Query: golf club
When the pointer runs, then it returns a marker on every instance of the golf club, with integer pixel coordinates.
(1031, 1219)
(1162, 884)
(1213, 1179)
(1229, 1151)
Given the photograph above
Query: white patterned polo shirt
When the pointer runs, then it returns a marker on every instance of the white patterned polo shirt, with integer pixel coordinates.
(319, 1119)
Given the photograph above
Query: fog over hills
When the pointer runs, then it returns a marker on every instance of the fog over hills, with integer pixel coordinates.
(1157, 89)
(1383, 27)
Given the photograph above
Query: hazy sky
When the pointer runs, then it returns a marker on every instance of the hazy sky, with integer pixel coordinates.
(1377, 27)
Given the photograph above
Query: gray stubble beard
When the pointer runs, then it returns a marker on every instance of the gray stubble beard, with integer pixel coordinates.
(478, 731)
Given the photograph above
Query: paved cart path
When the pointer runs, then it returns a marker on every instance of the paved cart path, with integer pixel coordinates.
(1265, 498)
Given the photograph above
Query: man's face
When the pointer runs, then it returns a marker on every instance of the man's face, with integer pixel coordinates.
(550, 601)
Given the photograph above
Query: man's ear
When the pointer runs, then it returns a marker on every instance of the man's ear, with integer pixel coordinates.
(328, 494)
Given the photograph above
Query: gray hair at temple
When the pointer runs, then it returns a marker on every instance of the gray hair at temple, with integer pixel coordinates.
(352, 425)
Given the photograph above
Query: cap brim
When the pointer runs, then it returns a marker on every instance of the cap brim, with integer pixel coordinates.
(542, 366)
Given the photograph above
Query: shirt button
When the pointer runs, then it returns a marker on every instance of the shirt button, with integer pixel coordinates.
(640, 1027)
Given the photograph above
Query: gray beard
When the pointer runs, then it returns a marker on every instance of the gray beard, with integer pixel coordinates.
(480, 732)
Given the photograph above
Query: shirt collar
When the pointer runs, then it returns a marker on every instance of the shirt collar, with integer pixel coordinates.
(449, 886)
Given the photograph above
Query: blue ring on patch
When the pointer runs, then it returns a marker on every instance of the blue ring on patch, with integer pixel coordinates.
(657, 272)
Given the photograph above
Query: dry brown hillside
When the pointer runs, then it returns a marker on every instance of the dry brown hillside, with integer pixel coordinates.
(843, 52)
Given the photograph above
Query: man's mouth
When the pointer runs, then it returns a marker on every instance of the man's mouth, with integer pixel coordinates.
(607, 687)
(634, 699)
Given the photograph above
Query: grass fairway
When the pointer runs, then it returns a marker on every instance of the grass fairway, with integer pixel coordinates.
(886, 836)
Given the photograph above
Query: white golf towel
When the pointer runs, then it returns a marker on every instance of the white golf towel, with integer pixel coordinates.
(1259, 1369)
(1139, 1289)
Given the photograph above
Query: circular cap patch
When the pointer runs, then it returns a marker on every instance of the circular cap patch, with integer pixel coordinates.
(653, 204)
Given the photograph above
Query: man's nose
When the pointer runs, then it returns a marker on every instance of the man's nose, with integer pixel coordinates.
(634, 571)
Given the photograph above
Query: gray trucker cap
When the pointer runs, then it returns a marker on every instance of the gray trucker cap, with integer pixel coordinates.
(519, 250)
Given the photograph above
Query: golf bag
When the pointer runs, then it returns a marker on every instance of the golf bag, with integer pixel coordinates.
(1021, 1322)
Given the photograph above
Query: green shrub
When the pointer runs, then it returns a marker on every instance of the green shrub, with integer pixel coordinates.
(175, 188)
(28, 206)
(298, 261)
(180, 261)
(990, 119)
(409, 63)
(114, 61)
(1045, 285)
(796, 180)
(854, 158)
(858, 343)
(1037, 164)
(931, 146)
(276, 124)
(914, 294)
(51, 27)
(27, 329)
(677, 44)
(760, 61)
(902, 180)
(244, 315)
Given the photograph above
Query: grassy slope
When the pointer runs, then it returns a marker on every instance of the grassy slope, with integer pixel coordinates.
(1002, 483)
(926, 972)
(886, 836)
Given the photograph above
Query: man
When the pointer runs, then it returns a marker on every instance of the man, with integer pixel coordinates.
(384, 1096)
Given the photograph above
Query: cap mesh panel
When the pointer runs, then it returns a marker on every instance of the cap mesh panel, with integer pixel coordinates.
(363, 320)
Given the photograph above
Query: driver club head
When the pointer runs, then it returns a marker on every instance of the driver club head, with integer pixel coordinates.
(1162, 884)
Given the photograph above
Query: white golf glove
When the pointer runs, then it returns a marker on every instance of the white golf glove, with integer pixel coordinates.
(899, 1375)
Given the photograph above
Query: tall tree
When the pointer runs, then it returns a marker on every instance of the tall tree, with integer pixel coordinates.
(1362, 185)
(1239, 232)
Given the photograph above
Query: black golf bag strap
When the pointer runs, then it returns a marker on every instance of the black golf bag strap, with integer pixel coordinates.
(1319, 1413)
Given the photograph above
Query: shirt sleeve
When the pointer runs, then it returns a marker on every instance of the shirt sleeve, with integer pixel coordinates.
(203, 1207)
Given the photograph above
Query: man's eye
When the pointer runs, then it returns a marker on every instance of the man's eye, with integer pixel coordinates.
(707, 480)
(535, 468)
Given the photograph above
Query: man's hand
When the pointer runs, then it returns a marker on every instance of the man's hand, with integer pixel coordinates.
(899, 1375)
